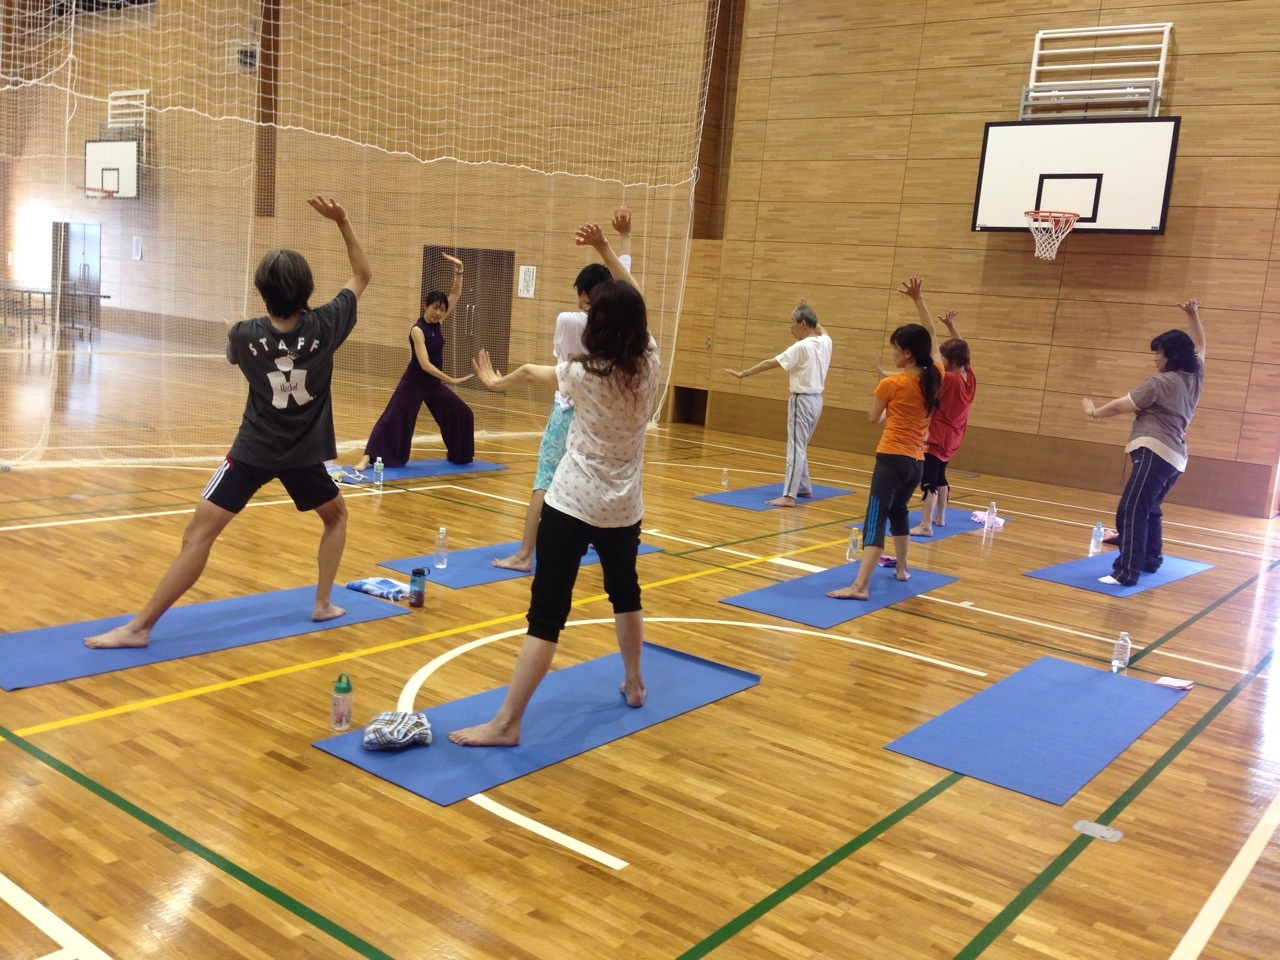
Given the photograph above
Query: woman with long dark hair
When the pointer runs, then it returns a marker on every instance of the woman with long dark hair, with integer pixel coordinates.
(904, 401)
(595, 496)
(1164, 405)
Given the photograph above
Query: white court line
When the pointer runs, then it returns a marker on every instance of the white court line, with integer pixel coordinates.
(1206, 922)
(409, 695)
(73, 943)
(173, 513)
(698, 543)
(969, 605)
(796, 564)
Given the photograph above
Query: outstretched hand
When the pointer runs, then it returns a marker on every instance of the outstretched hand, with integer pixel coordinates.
(740, 374)
(590, 235)
(622, 220)
(875, 362)
(452, 259)
(1189, 307)
(1089, 409)
(949, 318)
(457, 380)
(328, 208)
(912, 287)
(484, 370)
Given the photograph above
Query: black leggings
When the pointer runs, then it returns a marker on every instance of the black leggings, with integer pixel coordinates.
(893, 480)
(935, 474)
(562, 543)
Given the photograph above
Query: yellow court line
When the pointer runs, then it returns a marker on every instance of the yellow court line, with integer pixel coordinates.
(354, 655)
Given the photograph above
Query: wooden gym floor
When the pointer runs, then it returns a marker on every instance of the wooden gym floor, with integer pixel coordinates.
(179, 810)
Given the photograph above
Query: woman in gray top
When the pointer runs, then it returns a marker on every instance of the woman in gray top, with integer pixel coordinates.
(1164, 404)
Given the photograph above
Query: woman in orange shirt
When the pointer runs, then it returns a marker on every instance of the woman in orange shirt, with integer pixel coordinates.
(904, 401)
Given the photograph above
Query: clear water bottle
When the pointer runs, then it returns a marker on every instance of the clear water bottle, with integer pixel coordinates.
(340, 705)
(442, 550)
(724, 479)
(417, 586)
(990, 521)
(378, 470)
(854, 548)
(1095, 539)
(1120, 655)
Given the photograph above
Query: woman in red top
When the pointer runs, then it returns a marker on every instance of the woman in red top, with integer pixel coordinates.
(946, 429)
(905, 401)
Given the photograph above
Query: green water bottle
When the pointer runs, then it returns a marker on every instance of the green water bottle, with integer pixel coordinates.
(340, 705)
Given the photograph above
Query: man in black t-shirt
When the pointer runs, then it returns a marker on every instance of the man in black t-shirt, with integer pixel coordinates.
(286, 432)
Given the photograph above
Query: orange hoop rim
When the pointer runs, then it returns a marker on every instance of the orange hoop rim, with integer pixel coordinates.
(1051, 215)
(98, 193)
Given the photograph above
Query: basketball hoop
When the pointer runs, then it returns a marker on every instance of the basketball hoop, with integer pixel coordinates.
(98, 193)
(1050, 228)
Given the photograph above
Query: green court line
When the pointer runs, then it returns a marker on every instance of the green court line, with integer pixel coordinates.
(216, 860)
(1060, 863)
(744, 920)
(1005, 917)
(1156, 644)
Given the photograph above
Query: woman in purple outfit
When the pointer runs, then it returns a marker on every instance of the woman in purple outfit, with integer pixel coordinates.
(424, 381)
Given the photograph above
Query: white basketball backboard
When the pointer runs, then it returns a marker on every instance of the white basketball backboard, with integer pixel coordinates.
(112, 165)
(1116, 173)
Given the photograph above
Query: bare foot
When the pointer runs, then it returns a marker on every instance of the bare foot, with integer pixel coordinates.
(940, 521)
(634, 692)
(361, 465)
(326, 611)
(920, 530)
(902, 575)
(514, 562)
(849, 593)
(122, 636)
(782, 502)
(805, 495)
(491, 734)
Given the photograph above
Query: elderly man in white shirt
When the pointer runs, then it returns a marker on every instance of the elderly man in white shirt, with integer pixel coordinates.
(807, 361)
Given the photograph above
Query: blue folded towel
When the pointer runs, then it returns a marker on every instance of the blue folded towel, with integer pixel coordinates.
(383, 587)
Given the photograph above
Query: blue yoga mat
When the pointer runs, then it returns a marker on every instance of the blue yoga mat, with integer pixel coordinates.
(574, 710)
(29, 658)
(1044, 731)
(958, 521)
(753, 498)
(416, 469)
(1084, 573)
(473, 567)
(804, 599)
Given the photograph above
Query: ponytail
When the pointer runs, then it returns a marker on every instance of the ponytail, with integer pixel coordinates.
(918, 342)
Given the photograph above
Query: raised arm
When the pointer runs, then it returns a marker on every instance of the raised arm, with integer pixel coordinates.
(455, 291)
(1192, 309)
(527, 373)
(622, 224)
(590, 235)
(361, 273)
(949, 321)
(913, 287)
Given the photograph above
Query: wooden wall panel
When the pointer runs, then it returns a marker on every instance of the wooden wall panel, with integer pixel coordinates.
(1259, 439)
(809, 17)
(828, 221)
(1131, 327)
(843, 95)
(836, 138)
(834, 181)
(1202, 182)
(860, 50)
